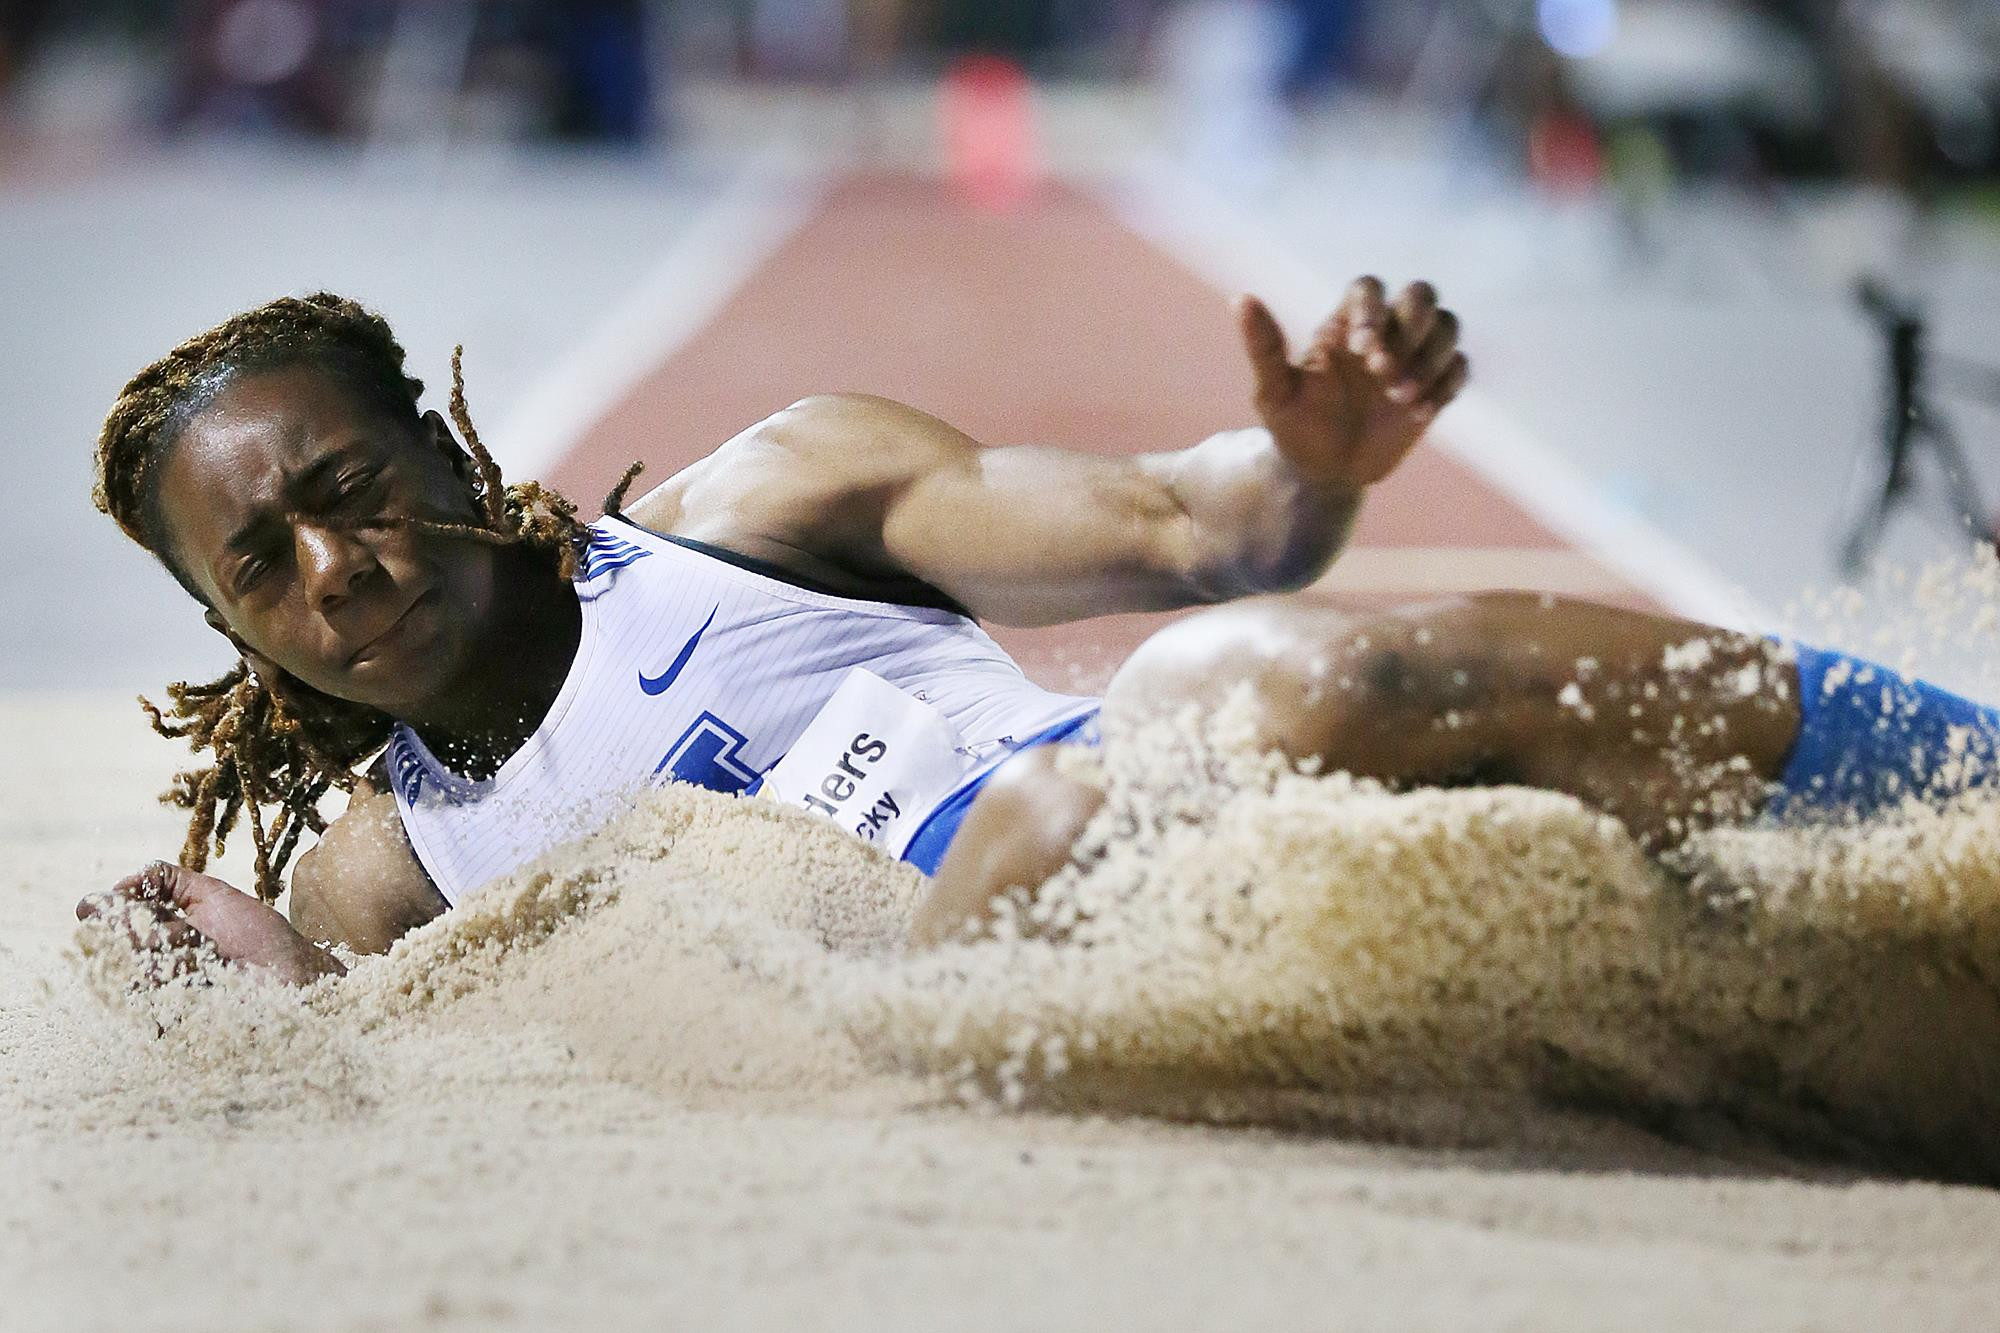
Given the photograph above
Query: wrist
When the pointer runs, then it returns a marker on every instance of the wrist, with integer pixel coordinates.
(1312, 514)
(1263, 523)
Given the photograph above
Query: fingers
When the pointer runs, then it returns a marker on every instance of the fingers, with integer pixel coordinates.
(153, 883)
(1416, 314)
(173, 886)
(1395, 338)
(1446, 388)
(167, 946)
(1410, 342)
(1428, 363)
(161, 931)
(1366, 319)
(190, 890)
(1276, 376)
(145, 904)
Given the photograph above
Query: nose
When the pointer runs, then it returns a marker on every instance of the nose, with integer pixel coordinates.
(332, 563)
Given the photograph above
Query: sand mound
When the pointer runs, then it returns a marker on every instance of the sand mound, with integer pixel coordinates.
(1263, 944)
(1251, 944)
(667, 951)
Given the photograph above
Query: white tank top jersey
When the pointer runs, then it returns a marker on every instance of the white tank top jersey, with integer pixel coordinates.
(695, 666)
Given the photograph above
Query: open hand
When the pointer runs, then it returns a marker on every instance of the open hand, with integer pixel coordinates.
(1373, 378)
(172, 912)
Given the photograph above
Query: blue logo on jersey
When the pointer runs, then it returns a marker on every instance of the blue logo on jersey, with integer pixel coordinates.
(658, 684)
(605, 553)
(409, 772)
(706, 755)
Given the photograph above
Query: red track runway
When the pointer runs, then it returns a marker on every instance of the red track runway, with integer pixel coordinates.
(1053, 324)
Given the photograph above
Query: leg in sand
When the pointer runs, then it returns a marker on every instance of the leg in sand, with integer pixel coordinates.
(1667, 724)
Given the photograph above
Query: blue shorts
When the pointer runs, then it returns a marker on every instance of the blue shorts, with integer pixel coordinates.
(1869, 736)
(933, 837)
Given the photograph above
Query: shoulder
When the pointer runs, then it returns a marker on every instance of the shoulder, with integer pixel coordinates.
(859, 429)
(823, 412)
(808, 489)
(816, 449)
(362, 885)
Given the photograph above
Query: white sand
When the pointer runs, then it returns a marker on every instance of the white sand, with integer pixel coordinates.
(655, 1084)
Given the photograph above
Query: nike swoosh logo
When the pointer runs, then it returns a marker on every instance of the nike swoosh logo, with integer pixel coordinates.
(658, 684)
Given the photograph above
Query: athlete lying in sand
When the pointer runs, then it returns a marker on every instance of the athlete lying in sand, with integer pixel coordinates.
(522, 668)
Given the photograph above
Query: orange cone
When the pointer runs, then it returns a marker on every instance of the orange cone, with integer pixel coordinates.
(987, 117)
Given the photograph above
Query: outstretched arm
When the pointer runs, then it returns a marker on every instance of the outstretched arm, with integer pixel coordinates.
(1034, 536)
(361, 886)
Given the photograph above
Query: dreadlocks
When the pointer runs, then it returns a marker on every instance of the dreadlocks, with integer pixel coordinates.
(278, 744)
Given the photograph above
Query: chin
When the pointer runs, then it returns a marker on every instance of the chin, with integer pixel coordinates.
(402, 692)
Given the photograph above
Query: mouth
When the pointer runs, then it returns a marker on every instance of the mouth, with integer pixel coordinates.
(387, 638)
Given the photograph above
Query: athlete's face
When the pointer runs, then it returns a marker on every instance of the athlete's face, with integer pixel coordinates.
(274, 498)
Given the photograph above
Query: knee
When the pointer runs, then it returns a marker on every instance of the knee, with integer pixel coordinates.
(1358, 692)
(1282, 653)
(1183, 661)
(1017, 834)
(1033, 797)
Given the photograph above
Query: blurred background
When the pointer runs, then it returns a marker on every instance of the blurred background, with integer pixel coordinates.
(1727, 265)
(1633, 94)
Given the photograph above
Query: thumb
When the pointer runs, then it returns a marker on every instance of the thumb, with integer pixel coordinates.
(1265, 342)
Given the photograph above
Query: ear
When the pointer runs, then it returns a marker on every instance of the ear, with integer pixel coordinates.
(221, 626)
(267, 670)
(454, 454)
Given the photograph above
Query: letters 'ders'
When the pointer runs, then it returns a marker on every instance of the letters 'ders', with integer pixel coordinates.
(874, 760)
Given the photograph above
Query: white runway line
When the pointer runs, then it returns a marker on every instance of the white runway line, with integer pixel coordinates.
(707, 263)
(1232, 250)
(1487, 439)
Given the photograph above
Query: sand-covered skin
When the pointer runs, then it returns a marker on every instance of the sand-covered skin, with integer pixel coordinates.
(679, 1077)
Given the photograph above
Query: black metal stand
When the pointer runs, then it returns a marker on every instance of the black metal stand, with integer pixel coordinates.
(1910, 423)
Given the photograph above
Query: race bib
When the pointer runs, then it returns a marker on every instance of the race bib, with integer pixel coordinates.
(874, 760)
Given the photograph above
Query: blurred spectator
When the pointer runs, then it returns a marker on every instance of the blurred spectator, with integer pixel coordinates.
(1327, 45)
(571, 68)
(1019, 28)
(1224, 62)
(259, 65)
(811, 38)
(604, 81)
(21, 22)
(1082, 36)
(1874, 126)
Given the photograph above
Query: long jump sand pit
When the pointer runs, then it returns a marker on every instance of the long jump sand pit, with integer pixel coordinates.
(1312, 1055)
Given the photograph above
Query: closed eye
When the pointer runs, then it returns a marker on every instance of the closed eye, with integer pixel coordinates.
(250, 573)
(355, 486)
